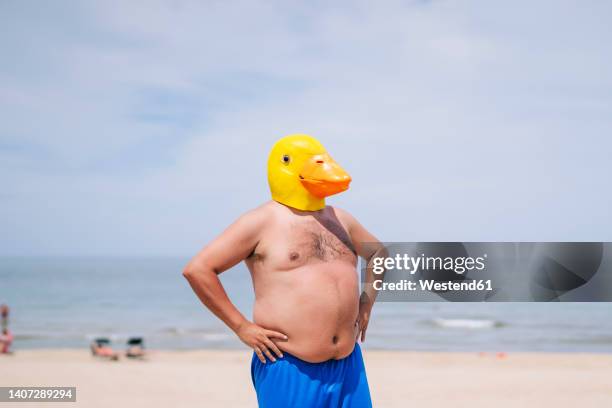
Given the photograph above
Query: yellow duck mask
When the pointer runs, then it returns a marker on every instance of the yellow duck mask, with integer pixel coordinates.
(301, 173)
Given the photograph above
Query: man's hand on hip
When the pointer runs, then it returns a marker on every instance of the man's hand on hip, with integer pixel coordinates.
(363, 318)
(260, 340)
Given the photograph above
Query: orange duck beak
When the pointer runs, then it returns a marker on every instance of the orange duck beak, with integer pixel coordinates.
(323, 177)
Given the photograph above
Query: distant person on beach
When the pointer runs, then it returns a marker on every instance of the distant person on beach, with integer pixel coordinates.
(6, 339)
(302, 256)
(101, 347)
(4, 314)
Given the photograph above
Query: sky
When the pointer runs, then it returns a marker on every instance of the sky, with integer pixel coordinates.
(143, 128)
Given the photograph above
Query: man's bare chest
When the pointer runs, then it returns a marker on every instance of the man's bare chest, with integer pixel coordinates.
(306, 241)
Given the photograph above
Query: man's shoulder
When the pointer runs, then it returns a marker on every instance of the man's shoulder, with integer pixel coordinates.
(261, 213)
(255, 220)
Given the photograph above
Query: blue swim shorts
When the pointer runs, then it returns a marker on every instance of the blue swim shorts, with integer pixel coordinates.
(293, 383)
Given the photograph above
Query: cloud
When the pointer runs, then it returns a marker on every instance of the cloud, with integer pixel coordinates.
(143, 128)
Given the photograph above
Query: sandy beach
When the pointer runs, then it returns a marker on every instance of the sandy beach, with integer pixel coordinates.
(216, 378)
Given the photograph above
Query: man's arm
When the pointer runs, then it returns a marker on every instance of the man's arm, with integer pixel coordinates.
(232, 246)
(368, 247)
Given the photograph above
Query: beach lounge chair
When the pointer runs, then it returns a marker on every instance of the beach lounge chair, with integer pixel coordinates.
(135, 347)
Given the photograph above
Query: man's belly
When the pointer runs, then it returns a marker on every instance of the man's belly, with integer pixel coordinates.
(316, 306)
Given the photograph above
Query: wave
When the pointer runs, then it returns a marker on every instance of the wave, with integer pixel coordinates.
(467, 323)
(119, 336)
(216, 336)
(206, 334)
(600, 340)
(46, 335)
(182, 331)
(31, 337)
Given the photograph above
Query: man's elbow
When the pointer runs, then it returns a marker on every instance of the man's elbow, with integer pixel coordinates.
(196, 270)
(190, 271)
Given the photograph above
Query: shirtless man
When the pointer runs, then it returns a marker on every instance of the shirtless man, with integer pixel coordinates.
(302, 256)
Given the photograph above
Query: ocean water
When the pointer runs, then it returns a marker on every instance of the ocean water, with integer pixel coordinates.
(66, 302)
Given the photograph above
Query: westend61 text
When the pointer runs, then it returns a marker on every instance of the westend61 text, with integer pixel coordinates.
(432, 285)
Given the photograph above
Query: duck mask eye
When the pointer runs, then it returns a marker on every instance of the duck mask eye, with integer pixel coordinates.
(286, 159)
